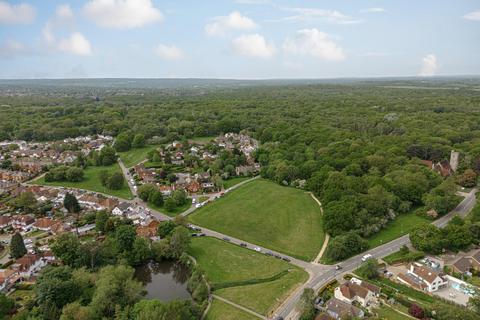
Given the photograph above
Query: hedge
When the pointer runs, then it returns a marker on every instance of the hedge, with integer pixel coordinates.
(217, 286)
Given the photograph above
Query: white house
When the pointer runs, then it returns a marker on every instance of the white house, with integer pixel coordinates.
(427, 279)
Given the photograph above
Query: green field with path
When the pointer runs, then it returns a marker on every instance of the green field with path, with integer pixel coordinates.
(261, 212)
(135, 155)
(220, 310)
(226, 263)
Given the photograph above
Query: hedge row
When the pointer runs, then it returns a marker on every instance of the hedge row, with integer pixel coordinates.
(223, 285)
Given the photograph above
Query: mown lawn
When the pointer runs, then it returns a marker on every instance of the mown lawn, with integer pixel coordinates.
(388, 313)
(401, 225)
(220, 310)
(261, 212)
(174, 212)
(233, 181)
(92, 182)
(265, 297)
(135, 155)
(224, 262)
(201, 140)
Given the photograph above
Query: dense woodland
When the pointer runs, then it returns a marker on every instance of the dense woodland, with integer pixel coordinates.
(358, 145)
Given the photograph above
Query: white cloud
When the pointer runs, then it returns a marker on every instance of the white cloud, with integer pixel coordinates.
(11, 48)
(309, 14)
(222, 24)
(314, 43)
(253, 45)
(429, 66)
(64, 12)
(474, 15)
(75, 44)
(169, 52)
(122, 13)
(22, 13)
(373, 10)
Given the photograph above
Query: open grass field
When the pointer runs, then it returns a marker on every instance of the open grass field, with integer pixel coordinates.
(220, 310)
(228, 263)
(261, 212)
(233, 181)
(92, 182)
(264, 297)
(135, 155)
(401, 225)
(201, 140)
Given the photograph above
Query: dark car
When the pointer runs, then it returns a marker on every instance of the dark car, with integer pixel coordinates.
(243, 244)
(202, 235)
(338, 267)
(286, 259)
(226, 238)
(269, 253)
(278, 256)
(195, 235)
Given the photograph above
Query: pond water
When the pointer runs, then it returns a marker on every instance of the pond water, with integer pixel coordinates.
(164, 281)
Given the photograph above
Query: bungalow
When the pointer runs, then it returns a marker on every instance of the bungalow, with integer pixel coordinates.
(109, 203)
(423, 278)
(166, 190)
(44, 224)
(476, 261)
(29, 265)
(8, 278)
(357, 290)
(59, 228)
(23, 222)
(463, 265)
(5, 222)
(338, 309)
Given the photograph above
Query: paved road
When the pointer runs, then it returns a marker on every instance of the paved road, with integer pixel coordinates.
(127, 176)
(287, 310)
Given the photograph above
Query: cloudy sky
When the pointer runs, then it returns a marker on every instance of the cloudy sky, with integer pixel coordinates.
(243, 39)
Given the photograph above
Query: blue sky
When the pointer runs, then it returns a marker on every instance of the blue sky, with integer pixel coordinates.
(242, 39)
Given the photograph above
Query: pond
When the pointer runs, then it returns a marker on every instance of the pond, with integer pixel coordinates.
(164, 281)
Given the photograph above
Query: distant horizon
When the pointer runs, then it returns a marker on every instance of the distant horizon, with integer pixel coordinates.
(237, 39)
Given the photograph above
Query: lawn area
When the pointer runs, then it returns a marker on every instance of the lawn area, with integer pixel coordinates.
(264, 297)
(174, 212)
(224, 263)
(388, 313)
(399, 256)
(22, 297)
(398, 227)
(261, 212)
(92, 182)
(135, 155)
(220, 310)
(233, 181)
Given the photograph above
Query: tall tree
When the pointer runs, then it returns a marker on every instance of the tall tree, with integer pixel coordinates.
(70, 203)
(17, 246)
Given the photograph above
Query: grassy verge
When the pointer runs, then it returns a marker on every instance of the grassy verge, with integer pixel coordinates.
(220, 310)
(261, 212)
(234, 181)
(174, 212)
(400, 256)
(135, 155)
(92, 182)
(401, 225)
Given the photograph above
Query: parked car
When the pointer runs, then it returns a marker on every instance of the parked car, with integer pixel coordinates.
(286, 259)
(338, 267)
(194, 235)
(278, 256)
(198, 205)
(226, 238)
(257, 249)
(243, 244)
(366, 257)
(202, 235)
(269, 253)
